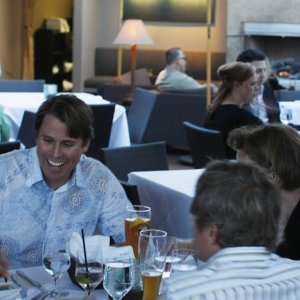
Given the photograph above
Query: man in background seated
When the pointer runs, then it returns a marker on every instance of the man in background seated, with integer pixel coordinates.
(53, 189)
(236, 211)
(265, 105)
(174, 78)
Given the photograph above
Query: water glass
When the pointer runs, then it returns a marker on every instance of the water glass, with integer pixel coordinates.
(118, 276)
(56, 260)
(184, 260)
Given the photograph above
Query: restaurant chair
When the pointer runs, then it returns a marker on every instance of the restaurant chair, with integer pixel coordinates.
(131, 191)
(26, 132)
(140, 157)
(158, 116)
(22, 86)
(205, 144)
(103, 118)
(9, 146)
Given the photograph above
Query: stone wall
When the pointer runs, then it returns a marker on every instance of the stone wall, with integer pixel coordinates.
(273, 11)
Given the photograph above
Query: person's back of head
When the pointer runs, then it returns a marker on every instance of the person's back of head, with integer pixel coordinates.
(172, 55)
(250, 55)
(276, 147)
(72, 111)
(241, 201)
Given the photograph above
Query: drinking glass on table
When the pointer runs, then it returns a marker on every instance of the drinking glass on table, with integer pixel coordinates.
(152, 257)
(56, 260)
(118, 276)
(183, 260)
(89, 269)
(137, 218)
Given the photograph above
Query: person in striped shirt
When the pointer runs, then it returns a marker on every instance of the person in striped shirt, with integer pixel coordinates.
(236, 210)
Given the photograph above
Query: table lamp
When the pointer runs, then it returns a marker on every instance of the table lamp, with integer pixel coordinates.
(133, 32)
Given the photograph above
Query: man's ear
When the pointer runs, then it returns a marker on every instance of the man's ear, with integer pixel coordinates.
(213, 233)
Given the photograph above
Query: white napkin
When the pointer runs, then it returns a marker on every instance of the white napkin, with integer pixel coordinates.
(119, 252)
(95, 245)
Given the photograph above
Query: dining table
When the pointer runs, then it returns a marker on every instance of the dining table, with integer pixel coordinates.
(290, 112)
(16, 103)
(40, 280)
(169, 194)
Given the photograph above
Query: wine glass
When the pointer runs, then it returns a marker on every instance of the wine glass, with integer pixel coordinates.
(184, 260)
(118, 276)
(89, 270)
(56, 260)
(152, 256)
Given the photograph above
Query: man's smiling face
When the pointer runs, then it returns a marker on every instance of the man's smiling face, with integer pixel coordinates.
(58, 153)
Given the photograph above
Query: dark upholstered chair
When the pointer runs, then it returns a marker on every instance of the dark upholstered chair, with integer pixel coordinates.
(205, 144)
(142, 157)
(26, 132)
(103, 118)
(25, 86)
(155, 116)
(9, 146)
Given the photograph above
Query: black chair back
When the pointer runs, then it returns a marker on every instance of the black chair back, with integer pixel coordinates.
(19, 86)
(27, 132)
(9, 146)
(141, 157)
(132, 193)
(103, 118)
(205, 144)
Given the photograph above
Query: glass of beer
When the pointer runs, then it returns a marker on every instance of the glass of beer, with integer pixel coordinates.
(152, 257)
(137, 218)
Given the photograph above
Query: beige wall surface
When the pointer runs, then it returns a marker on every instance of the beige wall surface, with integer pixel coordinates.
(104, 25)
(11, 38)
(11, 30)
(51, 8)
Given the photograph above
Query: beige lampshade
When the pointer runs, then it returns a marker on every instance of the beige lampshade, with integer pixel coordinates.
(133, 32)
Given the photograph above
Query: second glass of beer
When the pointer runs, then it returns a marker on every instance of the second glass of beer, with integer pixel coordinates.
(138, 217)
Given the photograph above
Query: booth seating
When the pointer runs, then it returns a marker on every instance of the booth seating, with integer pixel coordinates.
(159, 116)
(153, 60)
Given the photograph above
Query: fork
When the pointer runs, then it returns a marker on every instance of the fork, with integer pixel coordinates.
(40, 296)
(23, 291)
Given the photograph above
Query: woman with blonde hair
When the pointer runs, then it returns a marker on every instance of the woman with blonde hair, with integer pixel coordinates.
(276, 147)
(238, 86)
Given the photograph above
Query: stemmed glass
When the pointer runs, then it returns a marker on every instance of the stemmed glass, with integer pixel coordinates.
(184, 260)
(152, 256)
(89, 270)
(118, 276)
(56, 260)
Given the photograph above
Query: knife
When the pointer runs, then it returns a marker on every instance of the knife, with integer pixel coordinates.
(32, 282)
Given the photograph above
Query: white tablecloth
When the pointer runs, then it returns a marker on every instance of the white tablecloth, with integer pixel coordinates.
(290, 112)
(169, 194)
(40, 275)
(16, 103)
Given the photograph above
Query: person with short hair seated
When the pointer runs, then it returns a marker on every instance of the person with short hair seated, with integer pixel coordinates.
(236, 210)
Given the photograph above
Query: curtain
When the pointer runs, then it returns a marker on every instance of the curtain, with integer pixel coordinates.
(27, 68)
